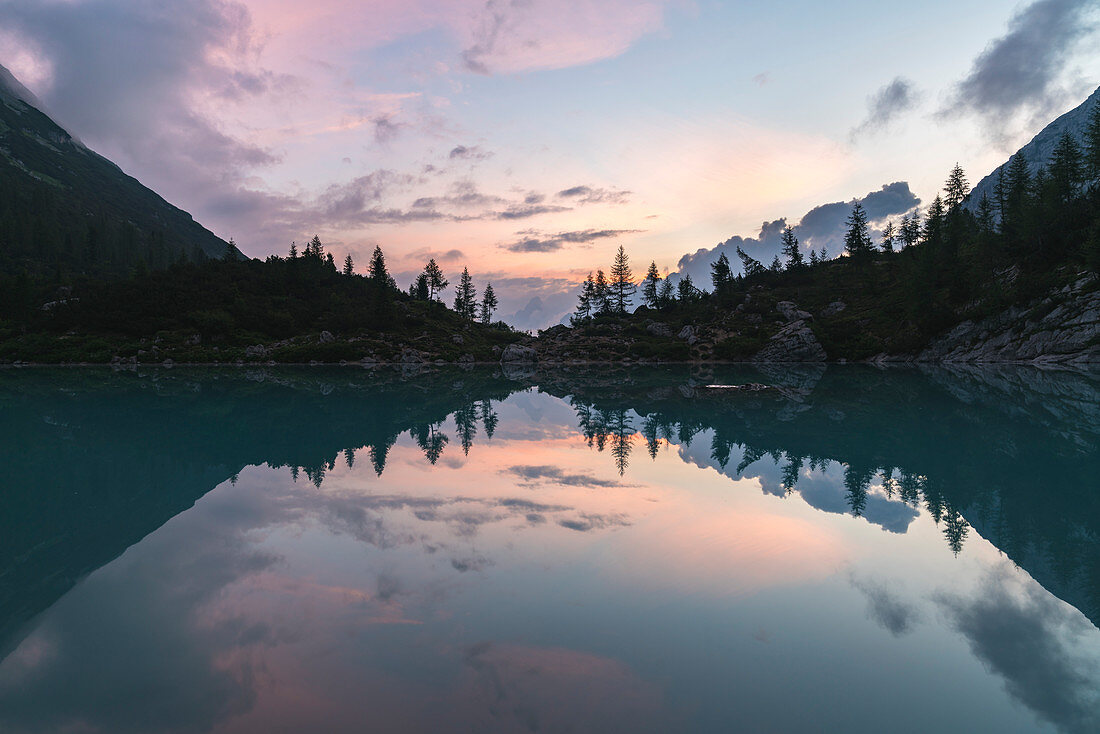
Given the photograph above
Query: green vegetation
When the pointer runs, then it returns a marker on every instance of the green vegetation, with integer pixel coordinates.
(294, 309)
(954, 263)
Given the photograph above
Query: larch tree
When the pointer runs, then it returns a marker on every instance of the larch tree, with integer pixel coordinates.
(686, 290)
(721, 274)
(790, 249)
(956, 188)
(376, 271)
(750, 265)
(889, 234)
(857, 241)
(1066, 174)
(435, 279)
(585, 301)
(1092, 145)
(622, 282)
(465, 303)
(488, 304)
(601, 296)
(665, 295)
(650, 285)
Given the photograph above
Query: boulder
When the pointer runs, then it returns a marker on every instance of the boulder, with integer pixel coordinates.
(834, 308)
(517, 353)
(688, 334)
(795, 342)
(791, 311)
(411, 356)
(466, 359)
(327, 337)
(659, 329)
(257, 351)
(457, 339)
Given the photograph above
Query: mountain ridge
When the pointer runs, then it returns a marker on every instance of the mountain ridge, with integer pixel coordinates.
(67, 210)
(1039, 150)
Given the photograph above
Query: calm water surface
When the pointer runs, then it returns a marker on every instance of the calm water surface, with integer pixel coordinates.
(342, 550)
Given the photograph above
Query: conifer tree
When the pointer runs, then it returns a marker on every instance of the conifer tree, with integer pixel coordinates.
(293, 251)
(956, 188)
(230, 251)
(750, 265)
(721, 275)
(1066, 168)
(649, 285)
(465, 304)
(686, 290)
(435, 280)
(814, 260)
(622, 282)
(1017, 186)
(315, 249)
(601, 296)
(1092, 146)
(349, 265)
(888, 235)
(665, 295)
(824, 253)
(910, 229)
(857, 241)
(777, 265)
(933, 223)
(586, 301)
(790, 249)
(488, 304)
(420, 290)
(376, 271)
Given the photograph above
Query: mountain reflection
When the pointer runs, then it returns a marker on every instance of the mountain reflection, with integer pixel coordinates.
(98, 460)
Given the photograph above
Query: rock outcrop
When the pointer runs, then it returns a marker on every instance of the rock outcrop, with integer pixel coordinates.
(795, 342)
(518, 354)
(1062, 328)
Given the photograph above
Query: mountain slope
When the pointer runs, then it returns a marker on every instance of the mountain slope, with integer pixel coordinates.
(1038, 152)
(64, 209)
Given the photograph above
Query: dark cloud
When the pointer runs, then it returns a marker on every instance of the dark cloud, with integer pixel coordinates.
(822, 226)
(386, 127)
(525, 211)
(347, 202)
(586, 522)
(554, 475)
(475, 153)
(885, 105)
(1021, 71)
(885, 609)
(1028, 637)
(535, 241)
(589, 195)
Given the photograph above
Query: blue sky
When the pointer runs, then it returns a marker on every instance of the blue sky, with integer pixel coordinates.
(452, 128)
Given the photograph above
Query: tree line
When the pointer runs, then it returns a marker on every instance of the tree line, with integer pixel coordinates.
(1034, 220)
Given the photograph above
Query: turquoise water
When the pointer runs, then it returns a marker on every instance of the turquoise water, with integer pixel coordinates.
(856, 550)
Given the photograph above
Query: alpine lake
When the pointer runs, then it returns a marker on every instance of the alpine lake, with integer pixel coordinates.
(592, 549)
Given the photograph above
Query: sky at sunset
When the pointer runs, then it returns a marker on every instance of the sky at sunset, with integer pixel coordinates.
(527, 138)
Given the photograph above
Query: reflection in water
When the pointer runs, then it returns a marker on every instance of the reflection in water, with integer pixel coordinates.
(567, 550)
